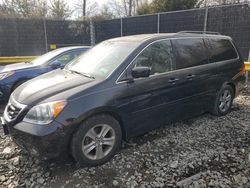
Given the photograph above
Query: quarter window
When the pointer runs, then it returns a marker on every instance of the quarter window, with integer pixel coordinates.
(158, 57)
(190, 52)
(221, 50)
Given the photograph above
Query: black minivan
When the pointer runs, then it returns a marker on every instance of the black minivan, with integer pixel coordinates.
(122, 88)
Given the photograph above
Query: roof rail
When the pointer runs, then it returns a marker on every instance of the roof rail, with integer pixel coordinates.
(201, 32)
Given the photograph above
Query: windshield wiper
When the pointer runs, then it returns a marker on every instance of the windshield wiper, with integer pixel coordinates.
(83, 74)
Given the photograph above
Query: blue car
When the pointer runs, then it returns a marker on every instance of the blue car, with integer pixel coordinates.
(12, 76)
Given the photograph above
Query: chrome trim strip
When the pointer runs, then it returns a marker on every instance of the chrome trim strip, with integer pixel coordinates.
(15, 103)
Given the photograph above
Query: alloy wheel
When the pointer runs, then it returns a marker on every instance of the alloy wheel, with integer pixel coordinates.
(98, 142)
(225, 100)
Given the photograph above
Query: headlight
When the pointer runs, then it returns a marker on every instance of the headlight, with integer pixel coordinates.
(6, 74)
(44, 113)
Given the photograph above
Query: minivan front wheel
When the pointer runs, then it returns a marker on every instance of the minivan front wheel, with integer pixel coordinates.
(224, 101)
(96, 141)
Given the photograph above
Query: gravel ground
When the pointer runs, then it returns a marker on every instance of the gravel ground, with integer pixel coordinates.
(206, 151)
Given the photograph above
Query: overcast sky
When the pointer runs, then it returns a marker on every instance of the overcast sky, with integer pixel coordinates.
(101, 2)
(72, 5)
(72, 2)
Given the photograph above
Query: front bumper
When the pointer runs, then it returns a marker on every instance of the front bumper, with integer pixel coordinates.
(5, 127)
(45, 147)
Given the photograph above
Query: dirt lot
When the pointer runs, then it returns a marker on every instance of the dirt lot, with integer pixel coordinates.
(206, 151)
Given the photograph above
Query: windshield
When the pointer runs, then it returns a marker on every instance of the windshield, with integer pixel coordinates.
(46, 57)
(103, 59)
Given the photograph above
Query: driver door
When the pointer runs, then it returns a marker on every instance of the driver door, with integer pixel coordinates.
(153, 99)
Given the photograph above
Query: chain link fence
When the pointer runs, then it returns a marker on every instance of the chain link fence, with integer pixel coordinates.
(20, 37)
(231, 20)
(25, 37)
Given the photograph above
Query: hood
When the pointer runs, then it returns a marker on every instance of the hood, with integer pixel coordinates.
(47, 85)
(16, 66)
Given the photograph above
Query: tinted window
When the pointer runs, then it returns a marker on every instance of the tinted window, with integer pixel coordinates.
(221, 50)
(190, 52)
(158, 56)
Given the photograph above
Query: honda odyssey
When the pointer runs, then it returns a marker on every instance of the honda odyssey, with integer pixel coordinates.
(122, 88)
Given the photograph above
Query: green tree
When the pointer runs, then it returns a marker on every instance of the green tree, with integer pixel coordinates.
(105, 13)
(85, 8)
(23, 8)
(6, 9)
(166, 5)
(145, 8)
(41, 9)
(171, 5)
(59, 10)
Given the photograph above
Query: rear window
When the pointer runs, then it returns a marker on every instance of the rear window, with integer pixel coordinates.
(221, 50)
(190, 52)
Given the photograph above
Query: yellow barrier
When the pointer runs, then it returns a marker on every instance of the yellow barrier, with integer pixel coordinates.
(16, 59)
(247, 66)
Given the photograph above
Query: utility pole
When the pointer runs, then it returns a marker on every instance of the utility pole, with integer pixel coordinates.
(205, 19)
(84, 8)
(45, 35)
(125, 8)
(130, 8)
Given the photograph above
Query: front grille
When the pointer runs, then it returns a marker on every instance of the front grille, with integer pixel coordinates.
(12, 111)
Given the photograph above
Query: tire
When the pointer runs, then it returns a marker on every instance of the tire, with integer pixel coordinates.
(224, 101)
(99, 133)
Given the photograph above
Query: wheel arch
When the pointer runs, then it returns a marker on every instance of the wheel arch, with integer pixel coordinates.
(107, 111)
(232, 85)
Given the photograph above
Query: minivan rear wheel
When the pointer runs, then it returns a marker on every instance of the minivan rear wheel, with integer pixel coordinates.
(96, 141)
(224, 101)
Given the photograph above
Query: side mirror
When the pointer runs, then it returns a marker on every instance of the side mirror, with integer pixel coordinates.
(56, 65)
(140, 72)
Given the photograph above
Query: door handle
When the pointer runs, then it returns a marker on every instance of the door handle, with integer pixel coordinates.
(190, 76)
(173, 80)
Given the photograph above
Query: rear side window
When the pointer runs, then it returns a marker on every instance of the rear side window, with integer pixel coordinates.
(221, 50)
(190, 52)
